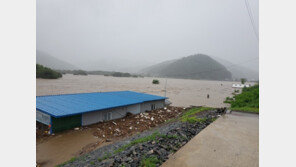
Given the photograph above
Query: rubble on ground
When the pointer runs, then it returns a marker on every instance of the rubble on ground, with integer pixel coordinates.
(165, 142)
(132, 124)
(124, 126)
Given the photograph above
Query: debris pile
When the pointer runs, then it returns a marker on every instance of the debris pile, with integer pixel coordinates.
(41, 130)
(132, 124)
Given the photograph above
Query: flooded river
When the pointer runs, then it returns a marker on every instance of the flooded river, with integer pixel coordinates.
(181, 92)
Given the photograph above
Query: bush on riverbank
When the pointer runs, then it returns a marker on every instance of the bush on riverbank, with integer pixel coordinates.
(46, 73)
(248, 100)
(79, 72)
(155, 81)
(105, 73)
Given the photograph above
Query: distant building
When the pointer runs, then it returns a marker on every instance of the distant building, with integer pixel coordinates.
(67, 111)
(240, 85)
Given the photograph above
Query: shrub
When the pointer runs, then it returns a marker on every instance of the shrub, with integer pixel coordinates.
(155, 81)
(46, 73)
(248, 98)
(243, 80)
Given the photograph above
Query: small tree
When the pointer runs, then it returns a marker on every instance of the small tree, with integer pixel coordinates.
(243, 80)
(155, 81)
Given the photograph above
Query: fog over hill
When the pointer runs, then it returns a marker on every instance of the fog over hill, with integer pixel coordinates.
(52, 62)
(127, 36)
(238, 71)
(197, 66)
(177, 68)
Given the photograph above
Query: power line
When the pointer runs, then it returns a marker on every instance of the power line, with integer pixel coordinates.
(165, 87)
(251, 18)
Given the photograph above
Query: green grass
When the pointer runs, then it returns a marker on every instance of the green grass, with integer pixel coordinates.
(248, 98)
(106, 156)
(228, 100)
(214, 119)
(71, 160)
(247, 101)
(149, 162)
(134, 142)
(246, 109)
(189, 119)
(92, 162)
(194, 120)
(139, 140)
(171, 120)
(189, 116)
(170, 136)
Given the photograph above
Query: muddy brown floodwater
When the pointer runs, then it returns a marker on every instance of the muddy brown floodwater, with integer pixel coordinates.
(62, 147)
(181, 92)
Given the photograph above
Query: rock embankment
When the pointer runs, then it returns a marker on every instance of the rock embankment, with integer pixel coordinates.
(148, 148)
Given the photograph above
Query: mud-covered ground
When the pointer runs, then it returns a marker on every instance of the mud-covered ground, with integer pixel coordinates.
(88, 138)
(150, 147)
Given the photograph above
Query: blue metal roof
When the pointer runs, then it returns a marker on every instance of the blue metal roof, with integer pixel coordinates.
(72, 104)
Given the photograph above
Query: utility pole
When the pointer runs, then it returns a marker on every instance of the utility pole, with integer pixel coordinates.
(165, 87)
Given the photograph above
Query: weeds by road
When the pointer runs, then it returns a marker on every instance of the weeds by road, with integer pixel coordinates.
(247, 101)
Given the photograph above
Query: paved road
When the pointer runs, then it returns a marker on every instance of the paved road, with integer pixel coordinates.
(231, 141)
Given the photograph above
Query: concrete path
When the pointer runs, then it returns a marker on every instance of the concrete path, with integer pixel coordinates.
(231, 141)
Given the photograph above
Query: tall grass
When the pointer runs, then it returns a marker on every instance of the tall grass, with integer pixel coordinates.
(248, 100)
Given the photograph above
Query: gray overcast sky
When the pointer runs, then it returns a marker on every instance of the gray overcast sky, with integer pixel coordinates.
(119, 34)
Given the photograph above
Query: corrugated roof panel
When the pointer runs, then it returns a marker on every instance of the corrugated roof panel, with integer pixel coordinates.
(71, 104)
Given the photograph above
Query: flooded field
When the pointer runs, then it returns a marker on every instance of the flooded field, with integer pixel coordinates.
(181, 92)
(62, 147)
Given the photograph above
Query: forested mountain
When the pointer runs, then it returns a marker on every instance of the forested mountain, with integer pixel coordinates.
(197, 66)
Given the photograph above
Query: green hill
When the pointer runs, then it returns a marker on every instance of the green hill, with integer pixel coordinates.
(197, 66)
(46, 73)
